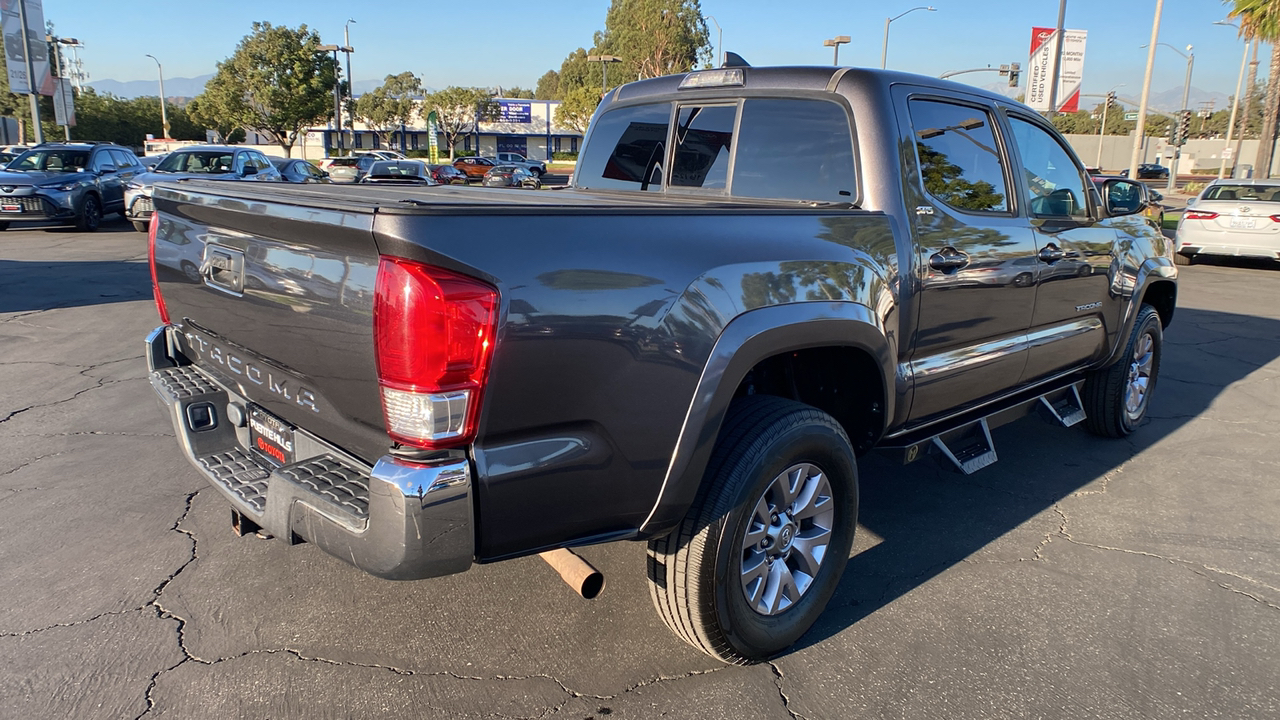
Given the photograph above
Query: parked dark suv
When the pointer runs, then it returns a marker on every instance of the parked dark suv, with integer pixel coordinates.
(66, 183)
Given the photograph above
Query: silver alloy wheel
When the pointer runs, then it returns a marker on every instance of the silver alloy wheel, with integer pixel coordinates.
(786, 539)
(1139, 381)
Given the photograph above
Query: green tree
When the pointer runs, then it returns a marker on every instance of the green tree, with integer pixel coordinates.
(518, 92)
(1260, 20)
(577, 107)
(278, 82)
(456, 109)
(391, 105)
(655, 37)
(548, 87)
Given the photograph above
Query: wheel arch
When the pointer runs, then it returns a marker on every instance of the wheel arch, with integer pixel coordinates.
(834, 330)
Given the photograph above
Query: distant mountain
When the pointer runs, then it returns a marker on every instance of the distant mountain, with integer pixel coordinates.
(173, 87)
(1171, 99)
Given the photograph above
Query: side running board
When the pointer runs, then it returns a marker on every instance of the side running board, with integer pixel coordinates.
(967, 445)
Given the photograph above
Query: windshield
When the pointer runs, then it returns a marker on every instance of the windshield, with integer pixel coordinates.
(51, 160)
(391, 168)
(1253, 193)
(208, 161)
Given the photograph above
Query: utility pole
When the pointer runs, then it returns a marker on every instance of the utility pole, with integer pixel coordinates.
(164, 114)
(1057, 60)
(351, 88)
(33, 91)
(1248, 104)
(1141, 127)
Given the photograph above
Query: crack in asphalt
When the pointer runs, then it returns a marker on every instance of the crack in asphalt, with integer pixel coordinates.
(29, 463)
(101, 383)
(786, 701)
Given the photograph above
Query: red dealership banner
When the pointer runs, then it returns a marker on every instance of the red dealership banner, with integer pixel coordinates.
(1040, 69)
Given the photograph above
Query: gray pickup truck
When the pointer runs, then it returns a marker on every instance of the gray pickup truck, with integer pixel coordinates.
(758, 275)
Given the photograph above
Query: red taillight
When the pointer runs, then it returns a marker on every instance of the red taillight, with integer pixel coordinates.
(1275, 218)
(433, 332)
(151, 258)
(1199, 215)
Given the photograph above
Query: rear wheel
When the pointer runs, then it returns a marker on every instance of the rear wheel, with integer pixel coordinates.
(90, 214)
(763, 546)
(1117, 396)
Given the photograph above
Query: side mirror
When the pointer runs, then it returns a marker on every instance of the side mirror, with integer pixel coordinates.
(106, 169)
(1156, 197)
(1123, 197)
(249, 170)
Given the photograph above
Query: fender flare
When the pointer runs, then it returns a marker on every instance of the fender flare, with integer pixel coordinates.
(748, 339)
(1153, 270)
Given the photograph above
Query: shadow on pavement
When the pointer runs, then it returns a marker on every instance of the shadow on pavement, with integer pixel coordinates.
(34, 285)
(929, 518)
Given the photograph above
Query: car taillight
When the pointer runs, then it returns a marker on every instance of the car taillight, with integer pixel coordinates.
(434, 334)
(1275, 218)
(1200, 215)
(151, 258)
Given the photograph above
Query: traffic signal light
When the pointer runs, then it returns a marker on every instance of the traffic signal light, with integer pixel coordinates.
(1184, 127)
(1111, 100)
(1013, 74)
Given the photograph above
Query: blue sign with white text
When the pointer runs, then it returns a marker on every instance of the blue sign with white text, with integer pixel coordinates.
(514, 112)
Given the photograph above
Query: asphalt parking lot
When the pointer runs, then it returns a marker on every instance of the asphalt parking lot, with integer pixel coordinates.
(1075, 578)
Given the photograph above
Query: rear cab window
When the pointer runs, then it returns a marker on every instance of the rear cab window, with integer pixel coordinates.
(797, 149)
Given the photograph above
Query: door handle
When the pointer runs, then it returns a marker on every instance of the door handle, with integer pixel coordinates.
(948, 258)
(1051, 254)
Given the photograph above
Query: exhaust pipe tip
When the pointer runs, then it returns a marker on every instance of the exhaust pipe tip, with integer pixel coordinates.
(576, 572)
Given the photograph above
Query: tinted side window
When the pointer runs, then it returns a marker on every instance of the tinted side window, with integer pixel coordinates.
(703, 138)
(794, 150)
(124, 158)
(101, 159)
(1055, 187)
(626, 149)
(960, 163)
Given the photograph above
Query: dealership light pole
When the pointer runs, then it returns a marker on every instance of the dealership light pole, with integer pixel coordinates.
(1141, 127)
(164, 115)
(32, 90)
(604, 61)
(836, 42)
(884, 49)
(1231, 124)
(719, 41)
(351, 87)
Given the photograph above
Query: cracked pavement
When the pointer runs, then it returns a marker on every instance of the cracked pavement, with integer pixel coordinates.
(1077, 577)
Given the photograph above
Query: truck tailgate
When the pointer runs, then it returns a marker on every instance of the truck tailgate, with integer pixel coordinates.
(275, 300)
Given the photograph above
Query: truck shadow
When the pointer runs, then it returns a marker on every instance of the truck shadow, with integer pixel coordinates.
(924, 518)
(28, 285)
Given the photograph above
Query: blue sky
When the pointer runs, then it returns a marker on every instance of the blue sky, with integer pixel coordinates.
(513, 43)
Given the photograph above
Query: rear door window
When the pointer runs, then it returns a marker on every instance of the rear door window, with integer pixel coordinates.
(794, 149)
(627, 149)
(704, 138)
(960, 161)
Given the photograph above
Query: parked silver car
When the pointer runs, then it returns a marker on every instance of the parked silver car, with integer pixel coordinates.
(210, 162)
(1231, 217)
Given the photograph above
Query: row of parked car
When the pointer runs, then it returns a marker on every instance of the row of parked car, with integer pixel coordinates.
(79, 183)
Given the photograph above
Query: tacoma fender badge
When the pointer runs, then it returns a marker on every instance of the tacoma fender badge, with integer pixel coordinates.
(1090, 306)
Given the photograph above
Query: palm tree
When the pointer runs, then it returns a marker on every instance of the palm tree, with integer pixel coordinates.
(1260, 20)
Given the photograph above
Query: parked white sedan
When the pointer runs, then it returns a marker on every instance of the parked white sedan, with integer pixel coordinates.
(1231, 217)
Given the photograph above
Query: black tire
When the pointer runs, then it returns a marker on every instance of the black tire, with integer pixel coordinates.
(1107, 392)
(4, 225)
(90, 216)
(535, 172)
(1180, 259)
(141, 226)
(697, 573)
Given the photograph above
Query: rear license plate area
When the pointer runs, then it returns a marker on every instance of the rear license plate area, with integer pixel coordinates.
(270, 437)
(1239, 223)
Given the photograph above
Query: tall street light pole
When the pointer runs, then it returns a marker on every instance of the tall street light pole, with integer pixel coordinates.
(1235, 105)
(164, 114)
(1141, 127)
(836, 42)
(1106, 105)
(31, 73)
(57, 73)
(604, 61)
(1186, 91)
(719, 41)
(351, 88)
(337, 88)
(1057, 60)
(884, 49)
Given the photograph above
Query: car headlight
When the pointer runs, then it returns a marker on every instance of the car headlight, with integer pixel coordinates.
(64, 187)
(134, 185)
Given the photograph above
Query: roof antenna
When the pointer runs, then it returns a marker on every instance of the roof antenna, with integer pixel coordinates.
(733, 59)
